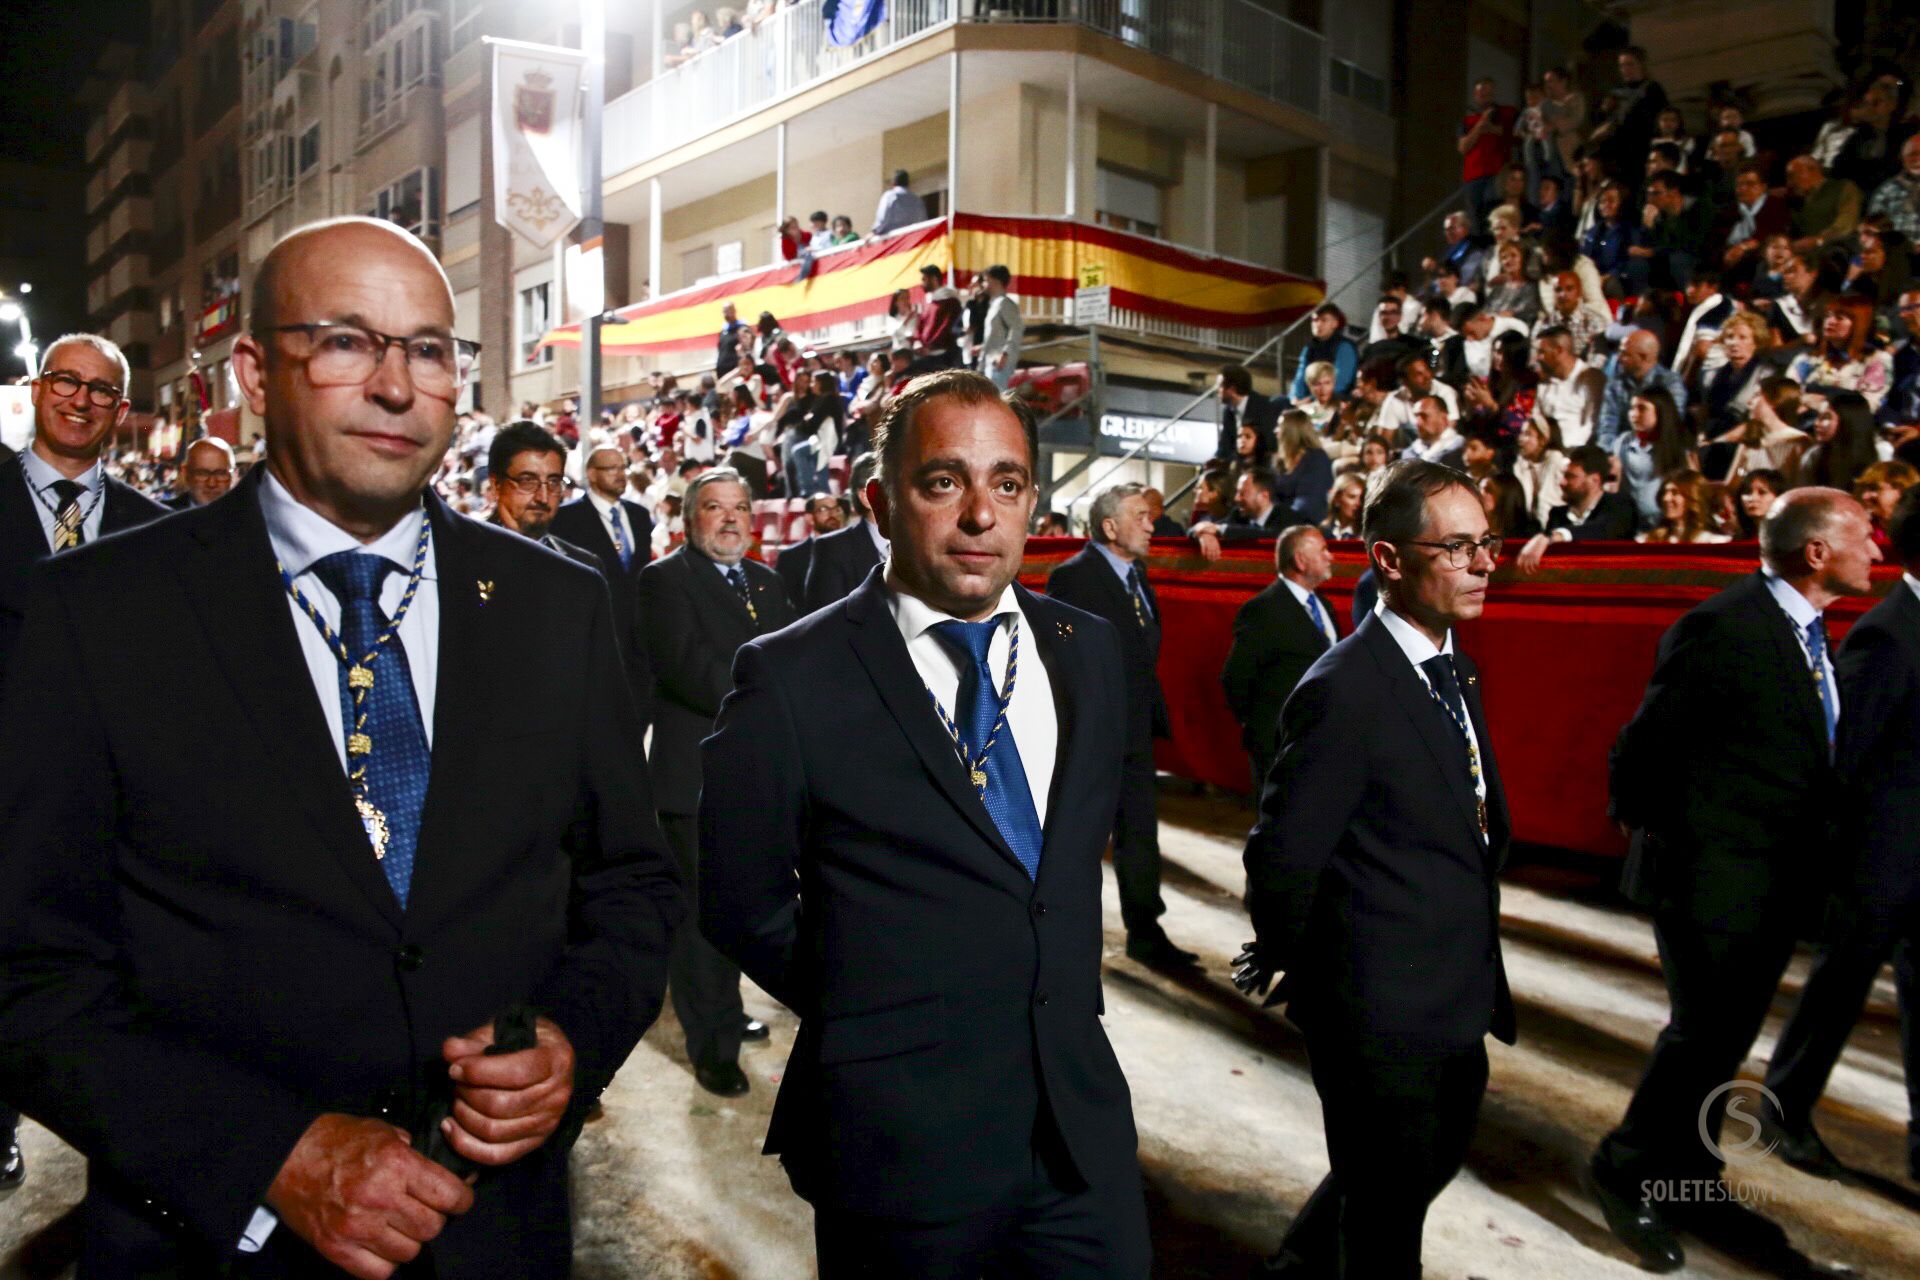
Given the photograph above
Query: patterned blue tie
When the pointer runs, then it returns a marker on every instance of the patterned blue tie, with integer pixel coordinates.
(1315, 612)
(620, 538)
(1008, 799)
(1816, 652)
(399, 763)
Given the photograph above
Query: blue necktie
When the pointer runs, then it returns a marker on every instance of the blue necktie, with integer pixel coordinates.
(620, 539)
(398, 765)
(1137, 588)
(1816, 651)
(1316, 613)
(1008, 799)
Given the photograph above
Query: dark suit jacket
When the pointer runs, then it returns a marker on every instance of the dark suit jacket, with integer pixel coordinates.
(23, 543)
(792, 567)
(1879, 676)
(578, 523)
(695, 624)
(1088, 582)
(1723, 771)
(1279, 517)
(948, 1004)
(1304, 490)
(1450, 361)
(840, 562)
(1274, 642)
(193, 970)
(1256, 410)
(1367, 878)
(1612, 520)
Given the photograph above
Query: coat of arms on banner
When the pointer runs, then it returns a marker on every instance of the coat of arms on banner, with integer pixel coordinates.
(533, 102)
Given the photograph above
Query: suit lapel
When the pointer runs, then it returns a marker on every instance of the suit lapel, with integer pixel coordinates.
(1414, 698)
(1065, 676)
(877, 643)
(1780, 630)
(1499, 825)
(719, 593)
(599, 541)
(123, 508)
(235, 588)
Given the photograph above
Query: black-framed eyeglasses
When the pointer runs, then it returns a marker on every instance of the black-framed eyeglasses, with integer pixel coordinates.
(526, 484)
(347, 355)
(102, 395)
(1461, 552)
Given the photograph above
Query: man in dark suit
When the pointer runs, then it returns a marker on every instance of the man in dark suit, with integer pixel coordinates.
(206, 472)
(527, 473)
(1371, 879)
(842, 559)
(1256, 512)
(1108, 578)
(236, 1001)
(701, 604)
(1725, 778)
(825, 514)
(1589, 514)
(1277, 635)
(1164, 525)
(1241, 405)
(619, 533)
(925, 893)
(1876, 903)
(54, 496)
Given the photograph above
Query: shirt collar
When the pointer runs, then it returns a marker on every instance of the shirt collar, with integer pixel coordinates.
(302, 536)
(1300, 593)
(1416, 646)
(1913, 583)
(1797, 606)
(915, 617)
(1122, 567)
(600, 504)
(42, 476)
(879, 540)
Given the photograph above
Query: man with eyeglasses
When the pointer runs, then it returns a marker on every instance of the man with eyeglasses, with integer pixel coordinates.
(1371, 882)
(206, 473)
(527, 474)
(253, 963)
(55, 496)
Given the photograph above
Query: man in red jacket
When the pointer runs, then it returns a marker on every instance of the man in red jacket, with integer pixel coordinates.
(936, 341)
(1486, 137)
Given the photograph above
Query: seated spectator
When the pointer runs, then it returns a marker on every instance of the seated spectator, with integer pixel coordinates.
(1770, 439)
(1590, 178)
(1717, 164)
(899, 207)
(1879, 488)
(1590, 513)
(1570, 310)
(1512, 292)
(1505, 503)
(1343, 507)
(1483, 453)
(1054, 524)
(1435, 440)
(1478, 328)
(1462, 252)
(1872, 153)
(1306, 473)
(1393, 290)
(899, 370)
(842, 231)
(1769, 277)
(1372, 407)
(1514, 195)
(1539, 462)
(1825, 209)
(1658, 445)
(1675, 230)
(1901, 408)
(1506, 397)
(1686, 512)
(1415, 377)
(1331, 344)
(1879, 271)
(1252, 447)
(1795, 314)
(1320, 406)
(1554, 219)
(1257, 512)
(1753, 496)
(744, 374)
(1697, 353)
(1638, 369)
(1212, 499)
(1754, 216)
(1610, 238)
(1376, 452)
(1391, 343)
(1729, 390)
(793, 238)
(1504, 225)
(1898, 198)
(1848, 356)
(1570, 392)
(1670, 128)
(1844, 443)
(819, 232)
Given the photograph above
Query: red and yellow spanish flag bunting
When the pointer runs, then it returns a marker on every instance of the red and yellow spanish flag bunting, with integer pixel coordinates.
(1045, 255)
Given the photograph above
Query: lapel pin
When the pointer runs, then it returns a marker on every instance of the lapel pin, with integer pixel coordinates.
(486, 589)
(1473, 679)
(1066, 628)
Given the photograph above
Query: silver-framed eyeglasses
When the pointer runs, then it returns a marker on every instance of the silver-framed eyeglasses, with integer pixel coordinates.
(527, 484)
(347, 355)
(1461, 552)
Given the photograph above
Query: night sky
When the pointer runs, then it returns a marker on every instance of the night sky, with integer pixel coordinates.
(44, 55)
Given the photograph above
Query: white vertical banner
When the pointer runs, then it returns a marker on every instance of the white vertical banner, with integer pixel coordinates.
(536, 139)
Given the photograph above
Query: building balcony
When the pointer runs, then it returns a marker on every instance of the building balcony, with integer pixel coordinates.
(1234, 42)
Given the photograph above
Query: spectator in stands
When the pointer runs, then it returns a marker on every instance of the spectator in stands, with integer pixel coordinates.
(1553, 216)
(1240, 403)
(1718, 167)
(1770, 438)
(1537, 154)
(819, 232)
(1754, 216)
(1628, 114)
(1305, 473)
(1513, 197)
(1391, 342)
(1796, 312)
(1825, 209)
(1582, 321)
(1435, 440)
(1463, 250)
(1728, 392)
(1480, 456)
(1901, 408)
(745, 374)
(1879, 488)
(1505, 502)
(1164, 525)
(1570, 391)
(1898, 198)
(899, 207)
(1538, 465)
(1511, 291)
(936, 336)
(1376, 452)
(1753, 496)
(1416, 379)
(1872, 152)
(1590, 513)
(1610, 238)
(1320, 406)
(1212, 499)
(1004, 328)
(767, 334)
(1252, 447)
(1564, 112)
(1686, 513)
(793, 239)
(902, 319)
(843, 232)
(1343, 505)
(1486, 140)
(1256, 511)
(1843, 443)
(1507, 396)
(733, 331)
(1877, 272)
(1638, 369)
(1848, 356)
(1675, 228)
(1658, 445)
(1478, 328)
(1447, 352)
(1697, 352)
(1331, 344)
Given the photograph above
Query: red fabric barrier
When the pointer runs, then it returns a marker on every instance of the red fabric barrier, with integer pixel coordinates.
(1564, 658)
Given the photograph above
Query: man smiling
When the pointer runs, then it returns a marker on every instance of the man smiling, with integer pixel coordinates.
(919, 878)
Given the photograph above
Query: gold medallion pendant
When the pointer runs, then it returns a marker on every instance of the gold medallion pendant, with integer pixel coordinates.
(376, 824)
(359, 677)
(979, 779)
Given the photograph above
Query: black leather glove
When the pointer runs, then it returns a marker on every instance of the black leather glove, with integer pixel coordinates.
(1254, 974)
(513, 1030)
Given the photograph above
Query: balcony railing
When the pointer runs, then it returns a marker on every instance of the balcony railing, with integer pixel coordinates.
(1234, 41)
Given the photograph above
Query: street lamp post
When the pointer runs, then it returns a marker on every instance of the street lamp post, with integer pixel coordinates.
(593, 43)
(12, 311)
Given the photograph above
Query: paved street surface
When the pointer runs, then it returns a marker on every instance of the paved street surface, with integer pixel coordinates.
(671, 1185)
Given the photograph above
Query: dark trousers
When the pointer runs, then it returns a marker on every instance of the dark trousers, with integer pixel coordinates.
(1835, 994)
(1051, 1227)
(9, 1128)
(704, 984)
(1136, 845)
(1397, 1132)
(1720, 984)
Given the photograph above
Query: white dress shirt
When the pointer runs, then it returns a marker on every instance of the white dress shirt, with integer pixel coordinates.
(1716, 354)
(1419, 649)
(1123, 569)
(1301, 594)
(41, 478)
(612, 513)
(1573, 403)
(1447, 441)
(1030, 716)
(1801, 612)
